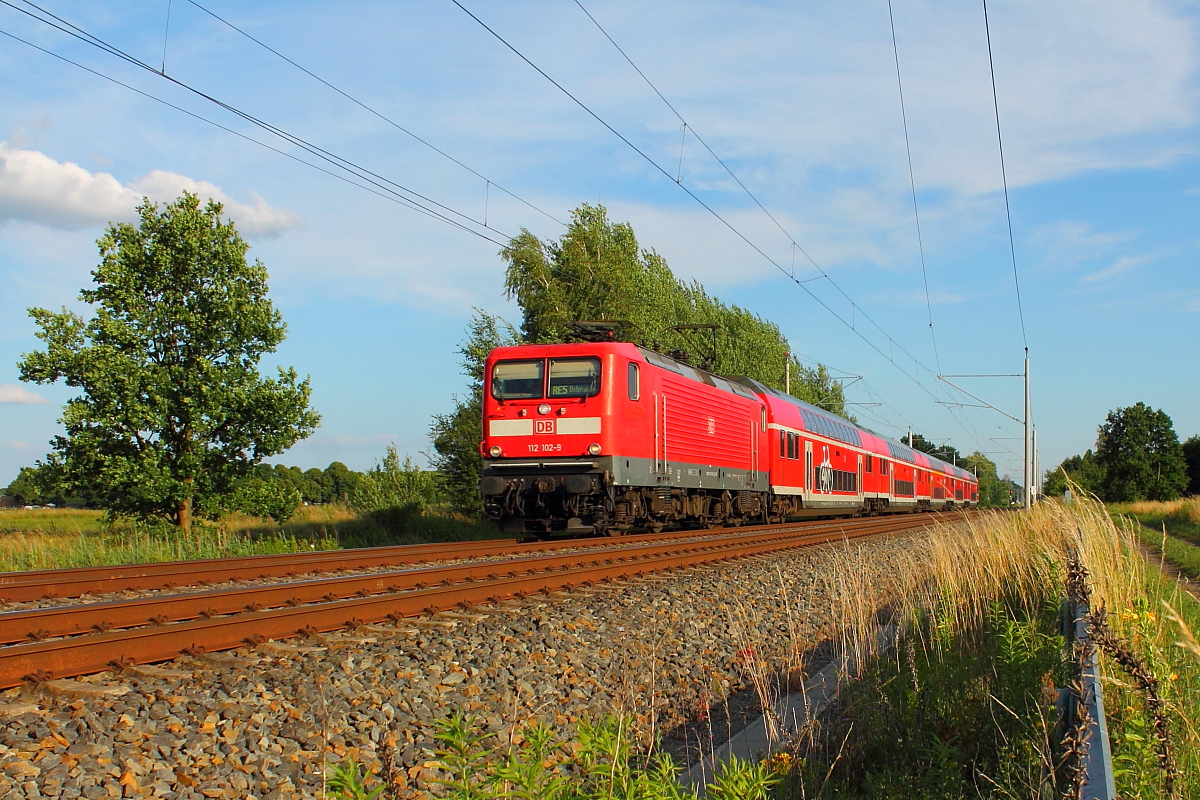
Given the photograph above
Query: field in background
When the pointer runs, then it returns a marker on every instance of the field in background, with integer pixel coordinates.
(1181, 518)
(63, 537)
(1170, 529)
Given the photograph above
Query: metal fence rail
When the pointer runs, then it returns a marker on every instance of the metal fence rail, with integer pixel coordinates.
(1086, 706)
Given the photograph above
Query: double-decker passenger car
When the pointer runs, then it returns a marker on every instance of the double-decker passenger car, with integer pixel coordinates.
(610, 436)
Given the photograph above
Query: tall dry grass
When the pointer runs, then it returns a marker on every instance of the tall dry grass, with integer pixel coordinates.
(956, 570)
(942, 588)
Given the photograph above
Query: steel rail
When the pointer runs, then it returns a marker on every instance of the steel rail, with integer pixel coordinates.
(38, 624)
(43, 584)
(82, 655)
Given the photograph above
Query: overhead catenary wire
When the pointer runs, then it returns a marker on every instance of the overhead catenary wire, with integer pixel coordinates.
(912, 182)
(362, 173)
(1012, 248)
(732, 228)
(390, 197)
(688, 127)
(691, 129)
(489, 182)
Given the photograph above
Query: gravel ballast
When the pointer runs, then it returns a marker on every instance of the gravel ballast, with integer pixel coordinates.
(675, 651)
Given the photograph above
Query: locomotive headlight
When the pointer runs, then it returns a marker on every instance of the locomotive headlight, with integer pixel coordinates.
(593, 449)
(494, 451)
(544, 408)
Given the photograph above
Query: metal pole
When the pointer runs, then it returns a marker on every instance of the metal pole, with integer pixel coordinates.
(1028, 438)
(787, 373)
(1037, 473)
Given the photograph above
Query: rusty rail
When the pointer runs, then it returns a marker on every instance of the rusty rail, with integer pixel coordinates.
(55, 583)
(377, 598)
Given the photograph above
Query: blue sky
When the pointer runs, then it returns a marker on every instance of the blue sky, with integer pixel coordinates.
(1098, 102)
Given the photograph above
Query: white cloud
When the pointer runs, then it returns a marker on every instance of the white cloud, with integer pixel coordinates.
(36, 188)
(19, 395)
(1121, 265)
(1071, 242)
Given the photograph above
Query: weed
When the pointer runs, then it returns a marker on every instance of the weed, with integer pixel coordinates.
(349, 781)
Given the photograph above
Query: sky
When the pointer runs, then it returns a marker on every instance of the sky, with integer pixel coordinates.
(1098, 107)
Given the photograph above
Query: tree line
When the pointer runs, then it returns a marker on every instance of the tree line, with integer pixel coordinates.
(1137, 456)
(276, 491)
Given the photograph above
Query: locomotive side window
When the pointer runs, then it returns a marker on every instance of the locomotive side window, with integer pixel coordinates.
(791, 446)
(517, 380)
(783, 440)
(883, 467)
(574, 377)
(870, 462)
(635, 387)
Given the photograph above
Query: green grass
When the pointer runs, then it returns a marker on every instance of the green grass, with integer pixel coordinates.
(1155, 638)
(1183, 556)
(950, 714)
(60, 538)
(600, 762)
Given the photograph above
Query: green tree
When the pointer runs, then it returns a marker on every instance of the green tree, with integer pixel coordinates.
(1191, 454)
(342, 481)
(172, 409)
(266, 498)
(993, 491)
(395, 485)
(1141, 456)
(1084, 470)
(456, 436)
(33, 486)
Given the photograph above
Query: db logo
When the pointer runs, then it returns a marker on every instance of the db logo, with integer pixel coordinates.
(712, 427)
(543, 426)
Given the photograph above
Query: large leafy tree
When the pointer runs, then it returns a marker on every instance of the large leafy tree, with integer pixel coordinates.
(598, 271)
(1141, 456)
(172, 408)
(1084, 471)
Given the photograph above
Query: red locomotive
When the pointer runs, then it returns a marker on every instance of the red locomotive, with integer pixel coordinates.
(607, 437)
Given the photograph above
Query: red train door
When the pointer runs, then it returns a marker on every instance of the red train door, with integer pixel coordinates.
(808, 468)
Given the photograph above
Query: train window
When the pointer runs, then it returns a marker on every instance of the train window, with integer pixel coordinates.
(517, 380)
(883, 467)
(574, 377)
(783, 441)
(763, 413)
(870, 462)
(791, 446)
(635, 387)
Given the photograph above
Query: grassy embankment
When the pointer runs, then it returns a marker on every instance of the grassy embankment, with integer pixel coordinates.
(56, 538)
(961, 707)
(1171, 529)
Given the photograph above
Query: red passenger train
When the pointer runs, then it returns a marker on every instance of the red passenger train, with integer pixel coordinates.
(610, 437)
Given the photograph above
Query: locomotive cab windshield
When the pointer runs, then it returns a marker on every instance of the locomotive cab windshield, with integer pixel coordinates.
(518, 380)
(526, 380)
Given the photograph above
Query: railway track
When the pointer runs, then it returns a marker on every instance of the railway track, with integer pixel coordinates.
(70, 640)
(22, 587)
